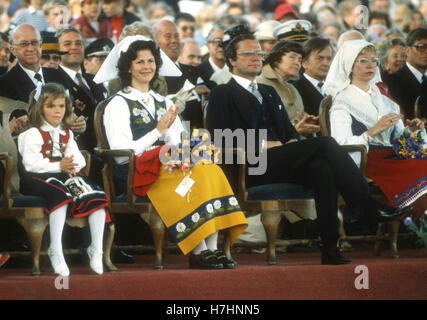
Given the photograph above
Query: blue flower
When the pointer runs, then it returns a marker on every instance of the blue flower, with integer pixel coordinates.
(407, 222)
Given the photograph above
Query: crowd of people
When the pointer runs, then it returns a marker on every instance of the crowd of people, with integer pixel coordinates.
(233, 64)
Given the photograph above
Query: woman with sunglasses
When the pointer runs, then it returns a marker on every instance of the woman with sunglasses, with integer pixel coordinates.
(51, 55)
(360, 114)
(283, 64)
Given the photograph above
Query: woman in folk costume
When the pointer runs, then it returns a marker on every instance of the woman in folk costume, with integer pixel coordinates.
(360, 114)
(49, 166)
(137, 118)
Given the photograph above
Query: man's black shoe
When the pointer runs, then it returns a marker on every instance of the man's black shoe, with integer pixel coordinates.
(122, 257)
(333, 256)
(389, 214)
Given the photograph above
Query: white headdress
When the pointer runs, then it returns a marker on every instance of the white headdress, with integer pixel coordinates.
(109, 71)
(339, 73)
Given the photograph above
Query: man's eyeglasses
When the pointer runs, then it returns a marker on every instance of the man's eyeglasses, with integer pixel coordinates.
(25, 44)
(365, 61)
(421, 47)
(251, 53)
(54, 57)
(216, 42)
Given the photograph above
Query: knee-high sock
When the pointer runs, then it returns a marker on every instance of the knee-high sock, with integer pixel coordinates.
(212, 241)
(200, 247)
(56, 226)
(96, 225)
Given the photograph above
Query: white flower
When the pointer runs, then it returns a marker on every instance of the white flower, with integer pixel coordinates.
(209, 208)
(195, 217)
(180, 227)
(233, 201)
(217, 204)
(136, 112)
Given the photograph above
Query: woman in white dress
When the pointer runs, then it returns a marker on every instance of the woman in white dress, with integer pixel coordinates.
(361, 114)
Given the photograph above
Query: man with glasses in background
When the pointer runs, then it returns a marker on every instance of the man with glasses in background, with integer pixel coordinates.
(186, 25)
(216, 60)
(407, 83)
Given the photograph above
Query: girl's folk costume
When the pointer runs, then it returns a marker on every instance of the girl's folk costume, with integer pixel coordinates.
(41, 150)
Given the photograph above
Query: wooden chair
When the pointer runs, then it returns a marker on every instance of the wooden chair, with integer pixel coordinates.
(269, 200)
(128, 203)
(393, 226)
(29, 210)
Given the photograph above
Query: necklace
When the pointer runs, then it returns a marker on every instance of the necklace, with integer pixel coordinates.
(145, 99)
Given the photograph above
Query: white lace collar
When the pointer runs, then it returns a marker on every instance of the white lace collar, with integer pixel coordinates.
(136, 95)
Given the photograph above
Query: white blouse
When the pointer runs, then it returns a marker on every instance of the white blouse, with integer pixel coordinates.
(367, 108)
(117, 124)
(30, 145)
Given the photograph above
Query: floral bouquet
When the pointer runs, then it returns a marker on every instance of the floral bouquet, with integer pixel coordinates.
(419, 229)
(410, 146)
(196, 150)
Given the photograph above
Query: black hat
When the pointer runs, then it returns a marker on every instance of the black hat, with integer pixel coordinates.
(99, 48)
(50, 44)
(233, 32)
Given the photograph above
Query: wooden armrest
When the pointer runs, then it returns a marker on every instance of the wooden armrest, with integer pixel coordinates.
(363, 154)
(7, 203)
(88, 160)
(109, 154)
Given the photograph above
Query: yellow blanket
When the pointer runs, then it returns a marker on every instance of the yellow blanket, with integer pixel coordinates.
(210, 206)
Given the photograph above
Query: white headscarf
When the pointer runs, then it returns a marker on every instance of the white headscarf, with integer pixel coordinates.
(109, 71)
(339, 73)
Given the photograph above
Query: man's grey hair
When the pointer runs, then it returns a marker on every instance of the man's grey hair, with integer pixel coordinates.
(68, 29)
(217, 26)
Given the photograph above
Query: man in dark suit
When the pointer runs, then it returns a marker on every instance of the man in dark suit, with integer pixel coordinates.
(319, 163)
(85, 93)
(405, 85)
(318, 54)
(24, 77)
(216, 60)
(167, 37)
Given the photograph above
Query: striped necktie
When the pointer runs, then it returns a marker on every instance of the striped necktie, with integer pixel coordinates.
(255, 92)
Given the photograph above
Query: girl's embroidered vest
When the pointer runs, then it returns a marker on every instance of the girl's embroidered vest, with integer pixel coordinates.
(47, 147)
(141, 121)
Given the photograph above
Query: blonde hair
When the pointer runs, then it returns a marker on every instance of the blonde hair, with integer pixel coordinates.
(49, 93)
(137, 28)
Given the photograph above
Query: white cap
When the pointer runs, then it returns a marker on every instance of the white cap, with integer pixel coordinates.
(296, 30)
(109, 71)
(264, 31)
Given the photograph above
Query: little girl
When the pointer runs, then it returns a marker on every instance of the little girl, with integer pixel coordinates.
(50, 164)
